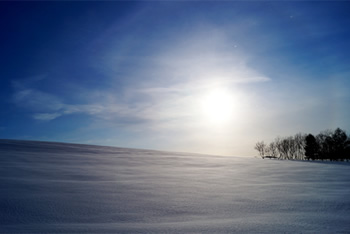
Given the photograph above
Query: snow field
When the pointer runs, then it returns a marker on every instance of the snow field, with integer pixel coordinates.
(69, 188)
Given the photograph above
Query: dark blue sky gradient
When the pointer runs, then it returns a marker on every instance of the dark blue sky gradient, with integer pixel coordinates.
(119, 73)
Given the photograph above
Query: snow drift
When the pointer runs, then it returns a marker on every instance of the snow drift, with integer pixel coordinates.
(55, 187)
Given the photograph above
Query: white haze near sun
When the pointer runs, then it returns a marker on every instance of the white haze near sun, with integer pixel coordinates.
(210, 81)
(197, 85)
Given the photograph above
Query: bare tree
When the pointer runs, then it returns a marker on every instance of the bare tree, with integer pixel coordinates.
(278, 142)
(331, 145)
(283, 148)
(300, 145)
(272, 149)
(261, 148)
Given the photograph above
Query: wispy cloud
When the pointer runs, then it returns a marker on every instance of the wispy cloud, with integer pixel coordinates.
(46, 116)
(37, 100)
(166, 88)
(45, 106)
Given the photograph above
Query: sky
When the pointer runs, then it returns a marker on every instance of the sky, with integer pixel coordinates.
(209, 77)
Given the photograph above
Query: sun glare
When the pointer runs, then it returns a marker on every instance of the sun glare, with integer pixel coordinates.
(217, 106)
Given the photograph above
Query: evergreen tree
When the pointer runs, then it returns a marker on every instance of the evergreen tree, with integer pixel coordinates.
(311, 147)
(339, 145)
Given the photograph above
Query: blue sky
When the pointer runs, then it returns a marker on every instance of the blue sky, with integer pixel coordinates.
(209, 77)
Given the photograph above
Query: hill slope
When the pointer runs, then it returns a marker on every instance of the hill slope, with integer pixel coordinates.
(55, 187)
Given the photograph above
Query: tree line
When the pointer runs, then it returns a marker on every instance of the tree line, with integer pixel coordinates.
(327, 145)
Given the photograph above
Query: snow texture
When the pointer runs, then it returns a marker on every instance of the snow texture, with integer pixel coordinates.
(70, 188)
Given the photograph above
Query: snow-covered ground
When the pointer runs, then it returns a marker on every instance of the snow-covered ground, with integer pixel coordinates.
(54, 187)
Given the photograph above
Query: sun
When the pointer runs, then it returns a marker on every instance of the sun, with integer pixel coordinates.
(217, 106)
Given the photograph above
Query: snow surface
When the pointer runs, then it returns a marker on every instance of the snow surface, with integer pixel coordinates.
(69, 188)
